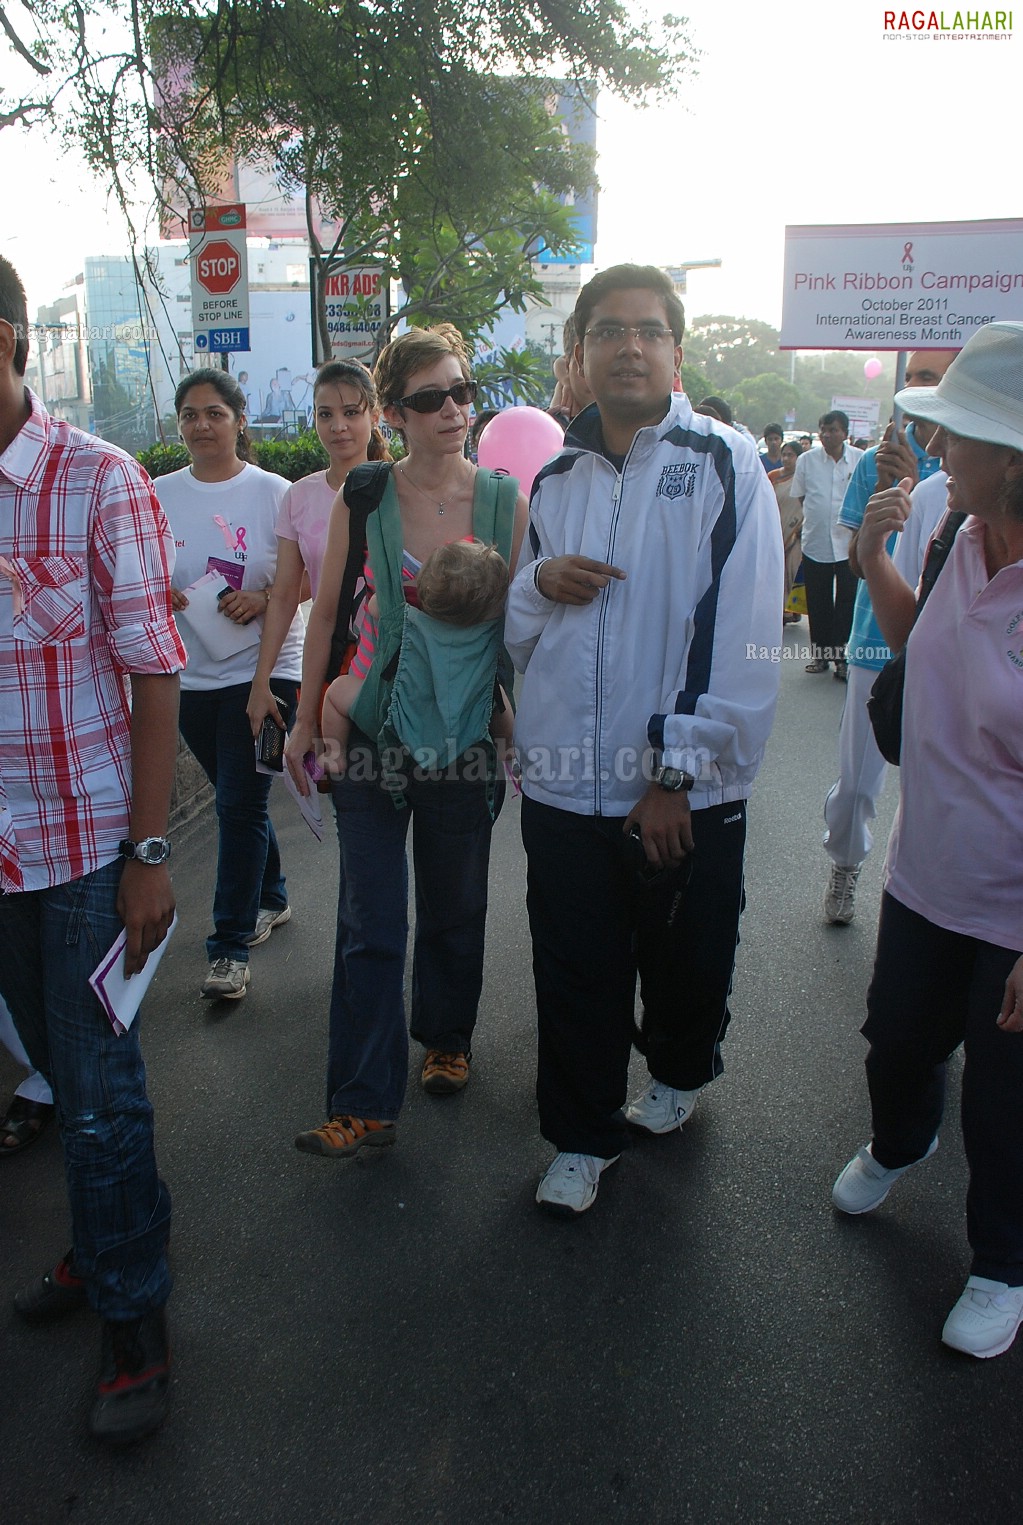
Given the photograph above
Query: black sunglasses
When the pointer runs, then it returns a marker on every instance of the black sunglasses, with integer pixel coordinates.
(432, 399)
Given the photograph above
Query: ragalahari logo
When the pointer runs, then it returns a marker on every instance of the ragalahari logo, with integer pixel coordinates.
(947, 26)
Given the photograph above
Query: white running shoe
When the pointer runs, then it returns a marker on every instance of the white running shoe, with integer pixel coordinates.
(661, 1108)
(226, 980)
(570, 1185)
(265, 923)
(864, 1184)
(840, 895)
(984, 1321)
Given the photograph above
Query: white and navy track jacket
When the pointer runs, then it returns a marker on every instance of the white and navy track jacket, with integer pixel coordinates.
(682, 656)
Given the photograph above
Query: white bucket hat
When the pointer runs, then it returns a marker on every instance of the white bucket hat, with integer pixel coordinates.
(980, 396)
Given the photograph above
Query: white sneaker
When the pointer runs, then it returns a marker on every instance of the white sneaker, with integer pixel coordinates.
(265, 923)
(661, 1108)
(984, 1321)
(570, 1185)
(226, 980)
(840, 895)
(864, 1184)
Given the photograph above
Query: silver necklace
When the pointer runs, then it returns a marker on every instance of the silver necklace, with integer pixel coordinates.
(439, 503)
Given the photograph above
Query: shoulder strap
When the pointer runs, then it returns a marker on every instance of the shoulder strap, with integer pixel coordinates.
(363, 489)
(493, 509)
(937, 555)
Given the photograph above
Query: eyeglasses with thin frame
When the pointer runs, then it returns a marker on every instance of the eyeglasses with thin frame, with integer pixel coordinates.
(615, 333)
(432, 399)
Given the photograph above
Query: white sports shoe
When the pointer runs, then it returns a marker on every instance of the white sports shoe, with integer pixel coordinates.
(226, 980)
(864, 1184)
(570, 1185)
(265, 923)
(840, 895)
(984, 1321)
(661, 1108)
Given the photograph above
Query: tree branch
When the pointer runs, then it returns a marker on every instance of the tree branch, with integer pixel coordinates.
(20, 47)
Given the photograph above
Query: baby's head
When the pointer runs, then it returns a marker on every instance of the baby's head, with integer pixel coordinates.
(463, 583)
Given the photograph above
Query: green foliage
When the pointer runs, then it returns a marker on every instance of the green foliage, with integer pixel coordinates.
(446, 177)
(512, 376)
(729, 350)
(420, 129)
(292, 459)
(161, 460)
(739, 359)
(763, 400)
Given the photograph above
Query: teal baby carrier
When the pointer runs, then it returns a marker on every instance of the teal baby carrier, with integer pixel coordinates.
(429, 693)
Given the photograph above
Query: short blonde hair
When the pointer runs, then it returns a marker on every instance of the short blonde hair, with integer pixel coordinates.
(412, 352)
(463, 583)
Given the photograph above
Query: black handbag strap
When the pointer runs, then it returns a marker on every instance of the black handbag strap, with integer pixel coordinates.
(937, 555)
(364, 487)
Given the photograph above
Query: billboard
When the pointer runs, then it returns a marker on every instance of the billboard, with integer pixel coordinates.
(575, 104)
(356, 303)
(899, 286)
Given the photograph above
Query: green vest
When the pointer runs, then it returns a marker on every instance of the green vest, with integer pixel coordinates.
(429, 693)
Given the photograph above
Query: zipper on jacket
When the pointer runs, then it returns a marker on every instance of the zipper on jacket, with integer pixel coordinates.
(616, 497)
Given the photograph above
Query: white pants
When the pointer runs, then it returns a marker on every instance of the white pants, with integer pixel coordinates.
(33, 1087)
(852, 803)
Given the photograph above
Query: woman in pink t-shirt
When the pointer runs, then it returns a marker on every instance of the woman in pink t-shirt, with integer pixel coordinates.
(345, 413)
(949, 965)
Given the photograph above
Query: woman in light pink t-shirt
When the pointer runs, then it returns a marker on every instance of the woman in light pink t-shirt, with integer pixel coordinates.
(949, 965)
(345, 413)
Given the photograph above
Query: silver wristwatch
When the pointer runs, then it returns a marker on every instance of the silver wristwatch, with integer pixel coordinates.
(149, 850)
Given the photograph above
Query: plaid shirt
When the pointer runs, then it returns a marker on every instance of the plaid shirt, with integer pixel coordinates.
(85, 564)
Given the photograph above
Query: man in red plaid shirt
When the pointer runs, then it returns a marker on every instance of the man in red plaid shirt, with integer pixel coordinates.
(89, 657)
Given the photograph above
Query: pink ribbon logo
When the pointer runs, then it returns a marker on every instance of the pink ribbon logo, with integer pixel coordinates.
(907, 254)
(17, 586)
(234, 540)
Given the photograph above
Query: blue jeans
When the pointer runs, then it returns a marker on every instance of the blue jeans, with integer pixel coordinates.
(367, 1059)
(249, 879)
(50, 942)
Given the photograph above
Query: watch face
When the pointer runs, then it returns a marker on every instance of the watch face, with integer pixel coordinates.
(153, 850)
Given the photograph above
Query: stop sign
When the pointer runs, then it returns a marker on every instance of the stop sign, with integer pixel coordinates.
(217, 267)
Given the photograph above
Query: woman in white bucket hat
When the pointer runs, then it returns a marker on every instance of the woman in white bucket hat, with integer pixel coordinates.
(948, 968)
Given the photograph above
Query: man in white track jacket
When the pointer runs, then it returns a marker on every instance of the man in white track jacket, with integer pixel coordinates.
(645, 617)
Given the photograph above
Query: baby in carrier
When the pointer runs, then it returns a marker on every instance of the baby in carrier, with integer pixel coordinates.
(464, 583)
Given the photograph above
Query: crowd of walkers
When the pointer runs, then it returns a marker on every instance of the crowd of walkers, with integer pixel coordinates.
(637, 585)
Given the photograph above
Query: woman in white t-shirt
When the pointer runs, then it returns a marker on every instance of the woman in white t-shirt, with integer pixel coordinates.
(345, 413)
(223, 514)
(949, 963)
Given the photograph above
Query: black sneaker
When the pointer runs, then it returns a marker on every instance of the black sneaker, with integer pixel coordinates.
(51, 1295)
(132, 1396)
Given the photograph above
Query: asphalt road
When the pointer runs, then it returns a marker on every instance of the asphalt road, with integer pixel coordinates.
(407, 1339)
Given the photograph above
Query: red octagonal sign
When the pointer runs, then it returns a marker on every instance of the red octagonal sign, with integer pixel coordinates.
(217, 267)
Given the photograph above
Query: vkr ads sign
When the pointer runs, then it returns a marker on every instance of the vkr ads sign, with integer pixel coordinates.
(217, 267)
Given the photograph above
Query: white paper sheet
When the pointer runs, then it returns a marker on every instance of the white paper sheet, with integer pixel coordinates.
(308, 804)
(120, 997)
(221, 637)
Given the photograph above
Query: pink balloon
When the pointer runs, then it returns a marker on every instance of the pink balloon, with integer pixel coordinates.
(872, 368)
(520, 441)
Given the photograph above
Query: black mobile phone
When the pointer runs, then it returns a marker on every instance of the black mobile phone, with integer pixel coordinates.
(270, 744)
